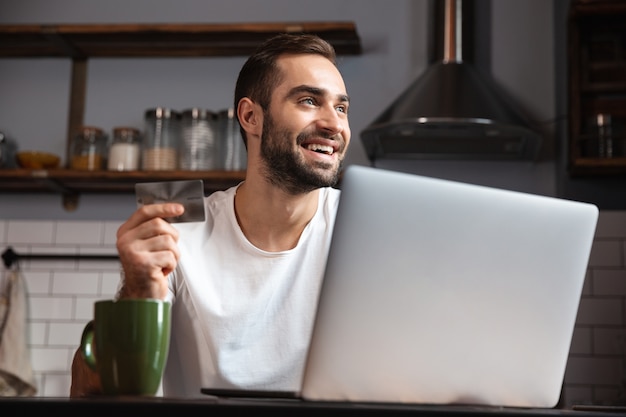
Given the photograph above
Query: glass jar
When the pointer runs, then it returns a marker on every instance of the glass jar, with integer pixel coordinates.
(125, 149)
(233, 153)
(197, 142)
(88, 149)
(160, 147)
(604, 134)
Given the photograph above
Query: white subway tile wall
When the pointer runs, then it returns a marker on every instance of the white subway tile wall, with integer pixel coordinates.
(61, 296)
(61, 293)
(596, 370)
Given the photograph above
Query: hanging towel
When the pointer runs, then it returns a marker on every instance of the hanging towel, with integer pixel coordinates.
(16, 373)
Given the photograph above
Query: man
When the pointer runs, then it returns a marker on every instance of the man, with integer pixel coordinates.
(244, 283)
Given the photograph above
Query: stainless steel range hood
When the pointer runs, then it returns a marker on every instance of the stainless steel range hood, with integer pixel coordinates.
(452, 111)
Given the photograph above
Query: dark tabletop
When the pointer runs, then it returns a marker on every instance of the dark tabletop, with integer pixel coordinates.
(217, 407)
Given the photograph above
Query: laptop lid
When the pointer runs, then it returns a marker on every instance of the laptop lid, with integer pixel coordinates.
(440, 292)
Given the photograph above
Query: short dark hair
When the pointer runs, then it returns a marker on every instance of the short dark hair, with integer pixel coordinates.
(260, 75)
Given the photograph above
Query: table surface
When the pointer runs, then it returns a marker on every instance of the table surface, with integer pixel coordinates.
(217, 407)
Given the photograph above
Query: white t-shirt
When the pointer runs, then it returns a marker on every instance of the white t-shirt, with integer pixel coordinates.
(241, 316)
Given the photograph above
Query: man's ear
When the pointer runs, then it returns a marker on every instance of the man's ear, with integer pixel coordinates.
(250, 117)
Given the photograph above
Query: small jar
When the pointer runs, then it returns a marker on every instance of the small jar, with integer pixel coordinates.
(125, 149)
(160, 147)
(88, 149)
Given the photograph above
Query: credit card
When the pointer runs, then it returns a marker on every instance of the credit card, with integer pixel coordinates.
(189, 193)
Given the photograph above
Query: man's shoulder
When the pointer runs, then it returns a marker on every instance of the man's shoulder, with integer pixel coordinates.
(329, 200)
(216, 205)
(330, 195)
(220, 198)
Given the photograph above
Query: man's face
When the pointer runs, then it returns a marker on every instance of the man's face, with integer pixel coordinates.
(306, 132)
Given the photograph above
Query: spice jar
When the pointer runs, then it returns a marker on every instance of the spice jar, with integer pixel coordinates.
(88, 148)
(160, 147)
(125, 149)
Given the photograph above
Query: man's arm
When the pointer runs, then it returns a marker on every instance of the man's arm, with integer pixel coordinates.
(147, 246)
(85, 381)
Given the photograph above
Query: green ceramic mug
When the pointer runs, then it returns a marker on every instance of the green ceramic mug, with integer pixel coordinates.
(127, 343)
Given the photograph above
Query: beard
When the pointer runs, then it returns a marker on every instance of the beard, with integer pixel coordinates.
(287, 168)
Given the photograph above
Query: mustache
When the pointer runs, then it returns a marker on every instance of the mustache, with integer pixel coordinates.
(306, 135)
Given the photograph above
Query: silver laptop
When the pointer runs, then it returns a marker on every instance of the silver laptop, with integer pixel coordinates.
(440, 292)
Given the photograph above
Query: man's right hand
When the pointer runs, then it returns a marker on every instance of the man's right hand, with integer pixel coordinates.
(148, 249)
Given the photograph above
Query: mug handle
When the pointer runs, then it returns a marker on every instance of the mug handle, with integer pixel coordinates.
(87, 346)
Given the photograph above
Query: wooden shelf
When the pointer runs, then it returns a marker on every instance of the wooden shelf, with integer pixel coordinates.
(597, 83)
(598, 166)
(67, 181)
(81, 42)
(161, 40)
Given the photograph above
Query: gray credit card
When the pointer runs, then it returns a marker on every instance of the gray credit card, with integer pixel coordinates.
(189, 193)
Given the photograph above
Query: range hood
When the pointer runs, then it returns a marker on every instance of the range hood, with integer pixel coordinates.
(452, 111)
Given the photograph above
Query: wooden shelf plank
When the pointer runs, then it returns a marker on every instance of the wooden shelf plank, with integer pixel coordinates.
(162, 40)
(71, 181)
(597, 7)
(580, 167)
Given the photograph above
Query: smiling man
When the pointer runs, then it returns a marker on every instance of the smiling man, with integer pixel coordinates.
(244, 283)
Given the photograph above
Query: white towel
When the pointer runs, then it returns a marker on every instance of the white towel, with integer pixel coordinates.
(16, 373)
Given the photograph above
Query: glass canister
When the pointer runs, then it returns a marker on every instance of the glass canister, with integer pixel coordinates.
(603, 125)
(125, 149)
(198, 150)
(88, 149)
(233, 154)
(604, 136)
(160, 146)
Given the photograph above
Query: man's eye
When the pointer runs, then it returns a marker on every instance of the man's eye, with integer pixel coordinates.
(308, 101)
(342, 109)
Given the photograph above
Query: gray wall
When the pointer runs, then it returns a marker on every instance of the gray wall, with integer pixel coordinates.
(34, 99)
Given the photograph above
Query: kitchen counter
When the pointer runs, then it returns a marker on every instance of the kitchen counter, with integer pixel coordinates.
(217, 407)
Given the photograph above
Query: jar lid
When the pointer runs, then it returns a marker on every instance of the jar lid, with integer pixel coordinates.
(161, 113)
(125, 130)
(90, 132)
(199, 114)
(126, 133)
(228, 113)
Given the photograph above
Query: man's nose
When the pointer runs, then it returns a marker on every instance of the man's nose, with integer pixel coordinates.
(331, 121)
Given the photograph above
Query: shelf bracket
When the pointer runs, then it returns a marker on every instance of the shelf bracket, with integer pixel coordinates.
(70, 201)
(52, 33)
(78, 89)
(70, 198)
